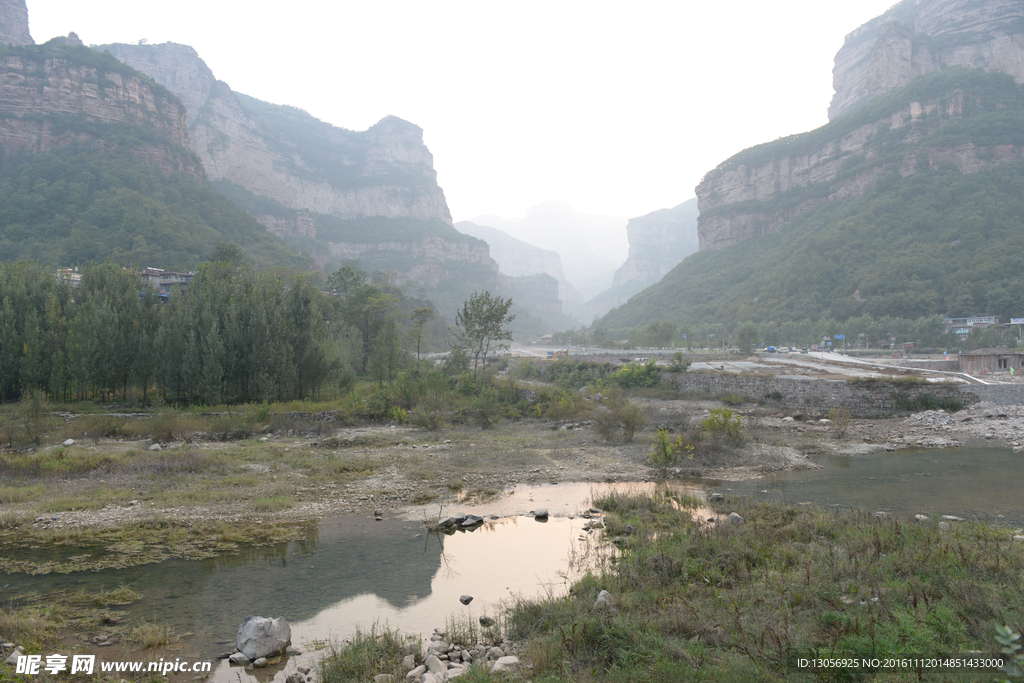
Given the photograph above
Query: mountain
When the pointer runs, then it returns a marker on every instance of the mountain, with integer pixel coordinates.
(14, 23)
(514, 256)
(591, 247)
(336, 194)
(657, 242)
(905, 204)
(95, 165)
(918, 37)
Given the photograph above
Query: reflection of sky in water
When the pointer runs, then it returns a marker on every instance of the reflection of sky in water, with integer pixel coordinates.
(973, 483)
(352, 571)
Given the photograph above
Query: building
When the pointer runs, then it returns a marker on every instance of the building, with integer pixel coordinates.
(165, 282)
(991, 360)
(962, 326)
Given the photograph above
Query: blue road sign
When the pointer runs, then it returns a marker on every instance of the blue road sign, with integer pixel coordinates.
(840, 336)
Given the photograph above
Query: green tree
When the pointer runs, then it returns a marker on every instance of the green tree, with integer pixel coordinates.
(481, 324)
(419, 318)
(746, 337)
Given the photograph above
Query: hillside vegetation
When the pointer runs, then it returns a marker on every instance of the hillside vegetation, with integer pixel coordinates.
(938, 242)
(82, 203)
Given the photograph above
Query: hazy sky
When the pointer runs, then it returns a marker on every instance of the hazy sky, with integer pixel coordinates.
(618, 108)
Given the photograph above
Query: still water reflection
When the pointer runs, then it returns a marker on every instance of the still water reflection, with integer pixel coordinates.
(982, 484)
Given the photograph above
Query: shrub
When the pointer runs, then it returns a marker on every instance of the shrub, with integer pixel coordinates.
(840, 418)
(634, 375)
(486, 407)
(723, 424)
(666, 452)
(1014, 666)
(622, 418)
(679, 363)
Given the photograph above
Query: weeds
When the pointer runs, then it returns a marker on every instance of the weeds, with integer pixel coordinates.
(364, 656)
(149, 636)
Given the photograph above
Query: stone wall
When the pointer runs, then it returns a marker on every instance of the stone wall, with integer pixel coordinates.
(816, 396)
(1002, 394)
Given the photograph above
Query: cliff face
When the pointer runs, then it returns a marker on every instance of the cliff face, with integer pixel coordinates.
(918, 37)
(284, 154)
(741, 199)
(49, 95)
(14, 23)
(657, 243)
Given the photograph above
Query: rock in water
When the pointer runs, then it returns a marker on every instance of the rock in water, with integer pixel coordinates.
(466, 599)
(261, 637)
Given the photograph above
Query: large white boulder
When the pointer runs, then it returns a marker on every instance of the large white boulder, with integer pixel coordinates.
(262, 637)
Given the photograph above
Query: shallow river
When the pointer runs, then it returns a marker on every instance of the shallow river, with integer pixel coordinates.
(354, 571)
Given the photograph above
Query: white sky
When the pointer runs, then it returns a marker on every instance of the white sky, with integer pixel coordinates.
(618, 108)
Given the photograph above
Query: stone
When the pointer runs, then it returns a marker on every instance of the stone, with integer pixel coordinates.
(943, 526)
(1019, 539)
(540, 513)
(238, 659)
(630, 529)
(506, 663)
(881, 515)
(155, 447)
(378, 513)
(788, 419)
(465, 599)
(408, 663)
(430, 678)
(437, 647)
(435, 665)
(735, 518)
(459, 517)
(414, 674)
(259, 636)
(824, 421)
(295, 678)
(486, 622)
(68, 442)
(292, 651)
(716, 497)
(259, 663)
(921, 518)
(494, 653)
(952, 518)
(604, 599)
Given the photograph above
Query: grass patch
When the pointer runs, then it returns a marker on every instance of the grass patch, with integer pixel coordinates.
(696, 602)
(149, 636)
(365, 655)
(122, 595)
(272, 503)
(423, 498)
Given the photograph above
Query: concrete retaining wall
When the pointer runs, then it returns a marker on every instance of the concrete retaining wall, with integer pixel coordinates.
(816, 396)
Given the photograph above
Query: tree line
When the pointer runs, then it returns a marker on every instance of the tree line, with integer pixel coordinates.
(238, 335)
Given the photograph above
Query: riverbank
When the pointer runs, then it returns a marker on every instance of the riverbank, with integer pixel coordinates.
(751, 598)
(263, 487)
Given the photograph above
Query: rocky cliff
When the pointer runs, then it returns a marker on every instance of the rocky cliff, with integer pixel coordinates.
(55, 94)
(658, 241)
(14, 23)
(284, 154)
(917, 37)
(763, 188)
(899, 80)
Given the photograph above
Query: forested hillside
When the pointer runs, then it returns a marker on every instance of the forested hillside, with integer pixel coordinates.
(938, 231)
(87, 202)
(94, 165)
